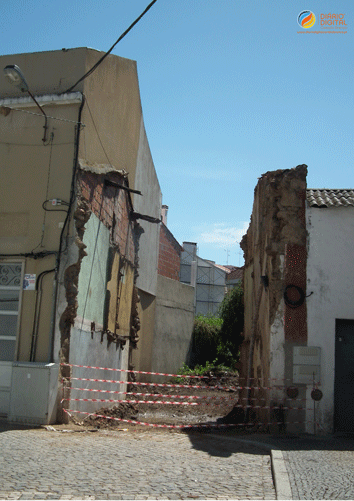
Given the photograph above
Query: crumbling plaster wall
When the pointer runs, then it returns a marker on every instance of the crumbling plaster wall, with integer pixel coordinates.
(97, 316)
(277, 227)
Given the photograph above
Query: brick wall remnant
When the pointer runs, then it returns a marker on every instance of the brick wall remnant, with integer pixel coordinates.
(278, 218)
(112, 206)
(274, 247)
(169, 254)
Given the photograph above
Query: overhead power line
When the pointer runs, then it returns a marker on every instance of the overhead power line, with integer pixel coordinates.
(90, 71)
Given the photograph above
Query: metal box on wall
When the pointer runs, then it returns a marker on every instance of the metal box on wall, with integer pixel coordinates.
(34, 390)
(307, 355)
(306, 364)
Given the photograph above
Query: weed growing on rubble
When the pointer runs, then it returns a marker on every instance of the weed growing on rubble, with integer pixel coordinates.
(207, 369)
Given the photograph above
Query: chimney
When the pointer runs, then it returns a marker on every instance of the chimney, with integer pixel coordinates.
(164, 210)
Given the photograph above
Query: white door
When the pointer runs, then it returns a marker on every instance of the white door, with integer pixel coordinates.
(10, 291)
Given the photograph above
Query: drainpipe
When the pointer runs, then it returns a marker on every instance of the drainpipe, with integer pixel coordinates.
(52, 318)
(37, 311)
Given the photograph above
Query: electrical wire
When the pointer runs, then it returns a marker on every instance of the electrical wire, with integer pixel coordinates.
(33, 255)
(98, 135)
(65, 204)
(72, 188)
(48, 179)
(90, 71)
(7, 143)
(53, 118)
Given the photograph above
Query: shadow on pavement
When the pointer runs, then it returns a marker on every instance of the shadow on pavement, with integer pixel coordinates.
(6, 426)
(290, 442)
(221, 444)
(224, 443)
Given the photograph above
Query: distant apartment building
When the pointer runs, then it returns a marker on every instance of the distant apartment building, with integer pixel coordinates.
(208, 278)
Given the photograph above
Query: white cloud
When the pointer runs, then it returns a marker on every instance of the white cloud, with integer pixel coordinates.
(224, 235)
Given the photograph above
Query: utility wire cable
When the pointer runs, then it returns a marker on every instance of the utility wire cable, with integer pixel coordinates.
(48, 116)
(90, 71)
(98, 135)
(47, 190)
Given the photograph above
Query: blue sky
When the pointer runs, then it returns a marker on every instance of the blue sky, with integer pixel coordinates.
(229, 89)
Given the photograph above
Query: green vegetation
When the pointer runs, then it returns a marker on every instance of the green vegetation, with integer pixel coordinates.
(218, 338)
(231, 312)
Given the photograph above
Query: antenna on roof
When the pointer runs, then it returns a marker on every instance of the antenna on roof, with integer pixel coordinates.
(227, 255)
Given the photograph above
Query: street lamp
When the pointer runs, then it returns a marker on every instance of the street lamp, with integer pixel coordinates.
(14, 75)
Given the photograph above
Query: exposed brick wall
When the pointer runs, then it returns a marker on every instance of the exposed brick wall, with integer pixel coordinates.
(295, 319)
(169, 254)
(112, 206)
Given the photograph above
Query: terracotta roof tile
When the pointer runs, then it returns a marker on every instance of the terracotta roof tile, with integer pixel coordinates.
(236, 273)
(330, 198)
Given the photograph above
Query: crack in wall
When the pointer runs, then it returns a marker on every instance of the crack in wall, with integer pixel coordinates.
(71, 280)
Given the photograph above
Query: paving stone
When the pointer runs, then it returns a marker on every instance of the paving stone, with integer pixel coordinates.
(331, 478)
(48, 465)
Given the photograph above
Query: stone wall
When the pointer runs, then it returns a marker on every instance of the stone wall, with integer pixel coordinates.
(275, 256)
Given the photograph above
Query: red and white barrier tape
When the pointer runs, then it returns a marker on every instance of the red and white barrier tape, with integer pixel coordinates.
(135, 372)
(160, 395)
(130, 401)
(163, 402)
(180, 426)
(170, 385)
(167, 374)
(194, 397)
(197, 397)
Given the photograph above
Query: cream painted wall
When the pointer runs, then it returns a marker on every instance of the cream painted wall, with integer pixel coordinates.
(174, 325)
(330, 274)
(50, 72)
(31, 173)
(112, 113)
(149, 204)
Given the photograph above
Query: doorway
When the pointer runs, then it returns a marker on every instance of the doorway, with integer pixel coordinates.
(344, 376)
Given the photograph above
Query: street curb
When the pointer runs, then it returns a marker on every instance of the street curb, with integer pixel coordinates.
(280, 475)
(279, 471)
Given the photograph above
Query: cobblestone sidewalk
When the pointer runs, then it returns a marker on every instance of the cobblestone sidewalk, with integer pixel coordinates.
(40, 464)
(320, 474)
(319, 467)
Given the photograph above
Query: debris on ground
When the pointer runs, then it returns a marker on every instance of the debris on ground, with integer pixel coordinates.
(121, 411)
(209, 401)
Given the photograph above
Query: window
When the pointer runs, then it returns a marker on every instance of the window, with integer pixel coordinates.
(10, 290)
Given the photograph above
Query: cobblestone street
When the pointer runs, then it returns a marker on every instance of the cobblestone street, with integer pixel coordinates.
(321, 474)
(318, 467)
(40, 464)
(321, 469)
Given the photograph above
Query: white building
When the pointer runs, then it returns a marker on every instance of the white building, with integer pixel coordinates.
(298, 349)
(208, 278)
(330, 310)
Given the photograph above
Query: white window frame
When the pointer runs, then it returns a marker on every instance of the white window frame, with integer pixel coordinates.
(18, 289)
